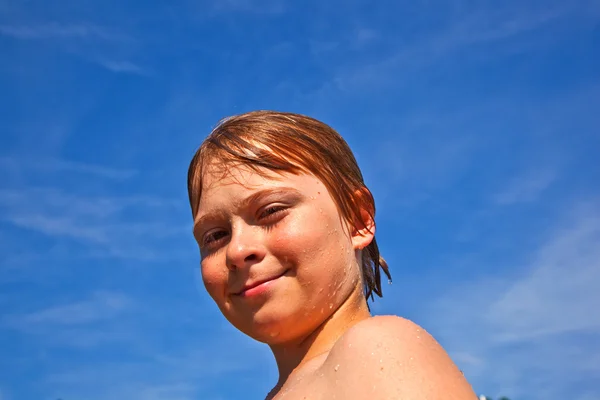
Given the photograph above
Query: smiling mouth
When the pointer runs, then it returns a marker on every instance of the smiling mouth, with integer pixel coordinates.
(256, 287)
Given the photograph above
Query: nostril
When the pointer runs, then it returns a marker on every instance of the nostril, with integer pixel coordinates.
(251, 257)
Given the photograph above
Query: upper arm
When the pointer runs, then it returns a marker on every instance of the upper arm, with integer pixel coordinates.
(393, 358)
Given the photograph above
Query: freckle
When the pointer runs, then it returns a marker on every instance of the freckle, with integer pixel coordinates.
(318, 192)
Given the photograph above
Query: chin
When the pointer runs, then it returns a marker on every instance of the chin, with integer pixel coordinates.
(269, 329)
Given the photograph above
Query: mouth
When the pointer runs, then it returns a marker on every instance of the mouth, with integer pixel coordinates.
(258, 286)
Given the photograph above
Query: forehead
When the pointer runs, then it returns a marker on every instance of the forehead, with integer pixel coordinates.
(219, 175)
(234, 183)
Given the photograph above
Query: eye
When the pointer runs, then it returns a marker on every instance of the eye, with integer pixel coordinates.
(271, 211)
(212, 238)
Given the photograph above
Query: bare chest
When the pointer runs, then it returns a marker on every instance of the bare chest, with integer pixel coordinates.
(308, 388)
(323, 383)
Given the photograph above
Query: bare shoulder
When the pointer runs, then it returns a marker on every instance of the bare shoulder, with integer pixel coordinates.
(389, 357)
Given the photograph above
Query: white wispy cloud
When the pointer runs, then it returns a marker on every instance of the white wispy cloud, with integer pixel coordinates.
(121, 381)
(525, 188)
(557, 292)
(102, 224)
(538, 319)
(249, 6)
(85, 168)
(84, 39)
(99, 319)
(55, 30)
(18, 165)
(123, 67)
(99, 307)
(185, 374)
(481, 30)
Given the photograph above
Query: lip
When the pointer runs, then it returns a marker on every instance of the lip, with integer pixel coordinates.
(252, 287)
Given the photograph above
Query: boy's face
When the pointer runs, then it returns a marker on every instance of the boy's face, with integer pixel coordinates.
(277, 258)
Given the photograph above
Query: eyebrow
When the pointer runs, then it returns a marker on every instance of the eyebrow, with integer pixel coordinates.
(254, 197)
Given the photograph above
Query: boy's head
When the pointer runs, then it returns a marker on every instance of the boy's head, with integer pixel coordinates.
(293, 143)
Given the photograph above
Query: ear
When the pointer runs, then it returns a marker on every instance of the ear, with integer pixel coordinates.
(364, 229)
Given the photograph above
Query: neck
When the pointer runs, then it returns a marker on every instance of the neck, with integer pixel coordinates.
(293, 355)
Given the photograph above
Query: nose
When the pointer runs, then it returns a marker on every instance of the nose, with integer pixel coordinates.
(245, 247)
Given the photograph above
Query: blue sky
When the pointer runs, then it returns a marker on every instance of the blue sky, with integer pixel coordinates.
(476, 124)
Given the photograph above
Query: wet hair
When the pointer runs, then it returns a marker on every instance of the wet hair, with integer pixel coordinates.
(294, 143)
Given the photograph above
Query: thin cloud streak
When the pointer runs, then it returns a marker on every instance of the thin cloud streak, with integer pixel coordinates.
(101, 306)
(476, 28)
(504, 326)
(525, 189)
(176, 374)
(269, 7)
(124, 67)
(59, 31)
(551, 299)
(101, 224)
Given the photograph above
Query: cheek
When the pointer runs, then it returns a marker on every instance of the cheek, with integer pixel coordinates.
(314, 243)
(298, 239)
(214, 279)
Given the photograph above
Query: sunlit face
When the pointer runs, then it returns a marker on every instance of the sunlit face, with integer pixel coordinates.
(277, 258)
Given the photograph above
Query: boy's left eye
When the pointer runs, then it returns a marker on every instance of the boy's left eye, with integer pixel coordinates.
(270, 211)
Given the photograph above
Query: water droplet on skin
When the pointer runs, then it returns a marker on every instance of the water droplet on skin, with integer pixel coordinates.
(330, 306)
(337, 367)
